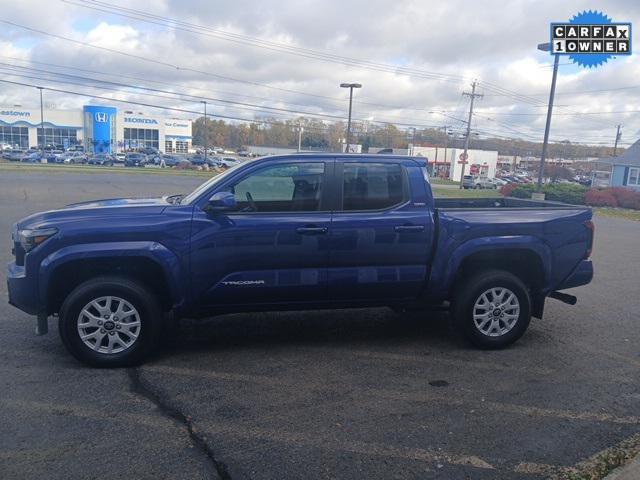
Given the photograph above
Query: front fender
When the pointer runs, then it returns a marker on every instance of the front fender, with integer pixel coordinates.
(445, 269)
(154, 251)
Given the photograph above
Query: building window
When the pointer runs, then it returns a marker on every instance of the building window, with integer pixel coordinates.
(58, 137)
(140, 137)
(634, 177)
(168, 146)
(182, 147)
(15, 136)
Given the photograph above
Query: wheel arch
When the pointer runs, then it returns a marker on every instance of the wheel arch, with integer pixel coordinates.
(527, 258)
(150, 263)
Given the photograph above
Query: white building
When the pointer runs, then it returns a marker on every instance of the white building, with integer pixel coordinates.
(97, 128)
(447, 162)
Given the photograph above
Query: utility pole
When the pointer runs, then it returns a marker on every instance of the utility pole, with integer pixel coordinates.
(618, 135)
(465, 155)
(44, 138)
(413, 139)
(546, 47)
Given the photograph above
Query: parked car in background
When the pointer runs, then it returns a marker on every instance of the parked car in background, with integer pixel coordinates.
(135, 160)
(119, 157)
(13, 155)
(169, 160)
(72, 158)
(226, 162)
(467, 182)
(52, 155)
(33, 157)
(199, 160)
(490, 183)
(482, 183)
(105, 159)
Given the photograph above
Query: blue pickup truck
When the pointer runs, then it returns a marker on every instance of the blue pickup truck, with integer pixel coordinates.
(294, 232)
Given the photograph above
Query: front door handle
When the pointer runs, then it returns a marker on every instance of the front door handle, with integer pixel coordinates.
(409, 228)
(311, 230)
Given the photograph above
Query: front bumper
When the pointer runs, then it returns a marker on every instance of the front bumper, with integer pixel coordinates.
(22, 290)
(582, 275)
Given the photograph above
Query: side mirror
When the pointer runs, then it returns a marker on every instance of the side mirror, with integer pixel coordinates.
(221, 202)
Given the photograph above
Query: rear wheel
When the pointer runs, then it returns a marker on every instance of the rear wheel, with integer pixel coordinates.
(110, 322)
(492, 309)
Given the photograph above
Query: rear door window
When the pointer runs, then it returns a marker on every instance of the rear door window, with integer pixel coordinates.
(372, 186)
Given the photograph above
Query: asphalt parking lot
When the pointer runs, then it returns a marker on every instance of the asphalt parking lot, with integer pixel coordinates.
(352, 394)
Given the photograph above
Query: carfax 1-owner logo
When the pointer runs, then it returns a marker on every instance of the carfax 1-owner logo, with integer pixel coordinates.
(591, 38)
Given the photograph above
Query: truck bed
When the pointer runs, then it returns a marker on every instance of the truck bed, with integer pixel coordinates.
(500, 202)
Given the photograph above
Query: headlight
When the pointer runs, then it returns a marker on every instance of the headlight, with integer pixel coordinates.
(30, 239)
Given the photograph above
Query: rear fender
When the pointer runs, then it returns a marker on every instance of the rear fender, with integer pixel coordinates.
(488, 244)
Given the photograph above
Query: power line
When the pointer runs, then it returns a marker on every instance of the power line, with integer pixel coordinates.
(227, 103)
(172, 23)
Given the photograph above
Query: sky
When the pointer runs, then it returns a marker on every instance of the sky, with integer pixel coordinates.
(414, 60)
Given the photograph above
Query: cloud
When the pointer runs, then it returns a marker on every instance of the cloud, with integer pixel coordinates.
(446, 44)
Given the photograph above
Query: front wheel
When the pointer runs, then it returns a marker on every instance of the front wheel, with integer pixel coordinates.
(110, 322)
(492, 309)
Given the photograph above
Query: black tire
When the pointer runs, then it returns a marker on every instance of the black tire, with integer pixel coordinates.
(145, 302)
(471, 289)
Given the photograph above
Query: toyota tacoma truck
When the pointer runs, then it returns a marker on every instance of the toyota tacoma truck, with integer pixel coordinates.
(297, 232)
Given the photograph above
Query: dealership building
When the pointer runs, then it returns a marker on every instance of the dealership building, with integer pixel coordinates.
(97, 128)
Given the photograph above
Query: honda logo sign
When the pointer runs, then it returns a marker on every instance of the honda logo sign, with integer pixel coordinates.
(101, 117)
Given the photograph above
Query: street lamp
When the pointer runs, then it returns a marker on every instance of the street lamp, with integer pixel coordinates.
(42, 119)
(546, 47)
(350, 86)
(205, 131)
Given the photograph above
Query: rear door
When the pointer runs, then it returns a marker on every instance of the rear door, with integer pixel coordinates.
(381, 230)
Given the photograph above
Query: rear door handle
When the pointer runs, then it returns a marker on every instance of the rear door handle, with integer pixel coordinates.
(311, 230)
(409, 228)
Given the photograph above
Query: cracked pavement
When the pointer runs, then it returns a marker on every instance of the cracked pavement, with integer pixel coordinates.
(354, 394)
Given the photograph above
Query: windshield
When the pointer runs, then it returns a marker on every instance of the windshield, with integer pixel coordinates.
(208, 184)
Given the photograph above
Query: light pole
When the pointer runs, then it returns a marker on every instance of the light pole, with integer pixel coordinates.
(546, 47)
(350, 86)
(300, 130)
(204, 102)
(42, 119)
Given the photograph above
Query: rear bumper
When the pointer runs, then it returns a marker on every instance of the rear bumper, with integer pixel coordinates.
(582, 275)
(22, 291)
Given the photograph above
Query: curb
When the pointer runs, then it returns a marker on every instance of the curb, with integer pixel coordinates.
(630, 471)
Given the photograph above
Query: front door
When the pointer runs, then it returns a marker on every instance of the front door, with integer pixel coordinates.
(380, 237)
(273, 247)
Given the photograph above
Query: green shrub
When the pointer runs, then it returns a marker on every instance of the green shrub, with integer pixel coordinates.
(523, 191)
(556, 192)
